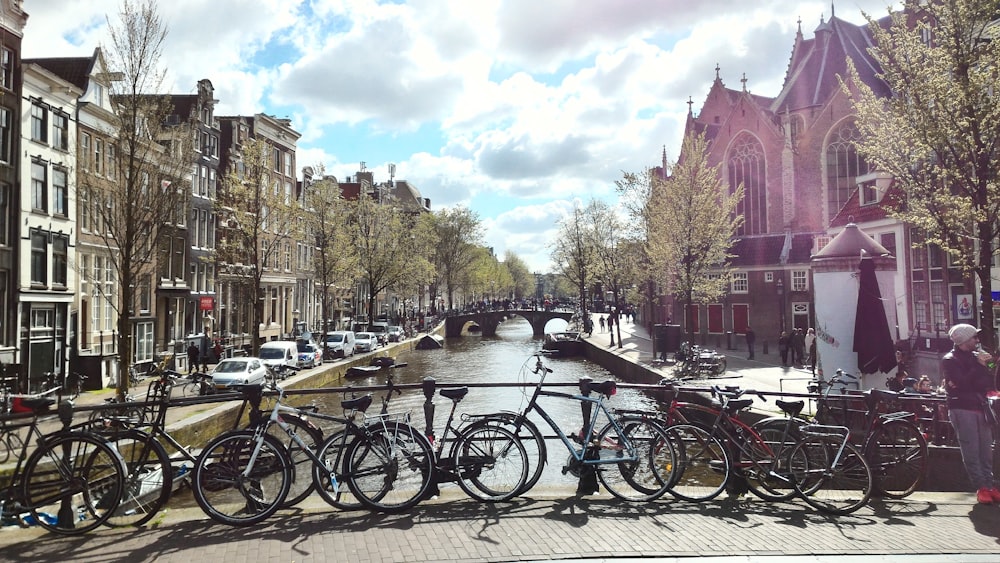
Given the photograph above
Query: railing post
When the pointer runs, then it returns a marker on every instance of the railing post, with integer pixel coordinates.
(588, 475)
(429, 385)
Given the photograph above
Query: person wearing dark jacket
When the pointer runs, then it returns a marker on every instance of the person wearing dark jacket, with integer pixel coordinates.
(968, 382)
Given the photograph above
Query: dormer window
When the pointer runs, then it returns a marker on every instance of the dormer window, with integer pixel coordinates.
(872, 186)
(869, 193)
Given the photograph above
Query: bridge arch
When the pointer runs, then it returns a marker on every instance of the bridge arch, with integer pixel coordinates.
(489, 320)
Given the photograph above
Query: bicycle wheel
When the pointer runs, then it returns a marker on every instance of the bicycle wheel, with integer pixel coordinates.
(490, 462)
(73, 482)
(765, 464)
(233, 492)
(703, 464)
(332, 454)
(650, 474)
(390, 468)
(828, 483)
(302, 482)
(149, 481)
(897, 453)
(531, 439)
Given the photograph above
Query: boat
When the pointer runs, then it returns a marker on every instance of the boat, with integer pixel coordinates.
(567, 343)
(430, 342)
(362, 371)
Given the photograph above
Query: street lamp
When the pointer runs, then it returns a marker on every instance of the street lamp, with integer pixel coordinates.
(780, 286)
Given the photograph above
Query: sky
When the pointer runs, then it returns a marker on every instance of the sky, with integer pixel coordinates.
(516, 109)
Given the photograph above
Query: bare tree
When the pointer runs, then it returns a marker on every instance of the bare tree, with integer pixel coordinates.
(524, 281)
(136, 196)
(259, 220)
(459, 233)
(573, 253)
(614, 258)
(938, 133)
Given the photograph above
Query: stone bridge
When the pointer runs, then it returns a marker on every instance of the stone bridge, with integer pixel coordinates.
(488, 320)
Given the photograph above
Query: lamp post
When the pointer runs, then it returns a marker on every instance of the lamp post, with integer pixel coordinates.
(780, 286)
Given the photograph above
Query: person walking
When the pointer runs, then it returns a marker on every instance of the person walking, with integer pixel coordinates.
(798, 347)
(601, 321)
(783, 346)
(811, 349)
(611, 327)
(751, 338)
(968, 382)
(192, 353)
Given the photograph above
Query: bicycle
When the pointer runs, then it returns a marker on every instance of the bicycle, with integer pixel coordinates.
(892, 443)
(242, 477)
(632, 456)
(487, 460)
(72, 481)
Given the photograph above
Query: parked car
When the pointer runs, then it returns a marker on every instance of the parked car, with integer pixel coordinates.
(310, 355)
(238, 371)
(395, 333)
(279, 353)
(381, 332)
(340, 343)
(365, 342)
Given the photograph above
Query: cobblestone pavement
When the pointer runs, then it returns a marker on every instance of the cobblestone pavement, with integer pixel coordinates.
(935, 526)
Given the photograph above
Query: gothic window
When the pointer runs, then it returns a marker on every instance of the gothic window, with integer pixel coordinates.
(843, 165)
(746, 166)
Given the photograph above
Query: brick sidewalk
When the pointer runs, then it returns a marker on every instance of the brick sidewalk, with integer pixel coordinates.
(943, 525)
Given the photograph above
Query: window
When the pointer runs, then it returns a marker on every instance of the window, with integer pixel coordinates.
(869, 193)
(4, 210)
(111, 167)
(739, 282)
(145, 293)
(888, 241)
(276, 156)
(39, 187)
(746, 167)
(843, 166)
(768, 277)
(60, 131)
(143, 342)
(98, 156)
(800, 280)
(288, 164)
(203, 181)
(60, 260)
(60, 193)
(211, 183)
(85, 151)
(39, 126)
(5, 135)
(7, 69)
(39, 264)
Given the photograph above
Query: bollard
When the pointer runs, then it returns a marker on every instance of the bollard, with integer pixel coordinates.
(588, 475)
(429, 385)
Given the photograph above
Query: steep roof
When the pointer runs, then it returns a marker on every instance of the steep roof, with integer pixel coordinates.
(816, 63)
(854, 212)
(766, 250)
(75, 70)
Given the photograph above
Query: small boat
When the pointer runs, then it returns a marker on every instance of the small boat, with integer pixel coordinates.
(383, 361)
(362, 371)
(430, 342)
(563, 343)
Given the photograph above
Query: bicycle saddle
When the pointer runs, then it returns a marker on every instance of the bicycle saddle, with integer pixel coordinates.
(737, 405)
(35, 405)
(359, 403)
(456, 394)
(791, 408)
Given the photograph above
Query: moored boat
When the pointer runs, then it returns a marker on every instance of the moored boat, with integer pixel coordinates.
(567, 343)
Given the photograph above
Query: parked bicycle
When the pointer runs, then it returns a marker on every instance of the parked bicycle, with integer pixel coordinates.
(695, 361)
(631, 455)
(892, 443)
(242, 477)
(70, 484)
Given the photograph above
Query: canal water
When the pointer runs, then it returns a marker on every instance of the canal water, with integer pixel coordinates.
(505, 358)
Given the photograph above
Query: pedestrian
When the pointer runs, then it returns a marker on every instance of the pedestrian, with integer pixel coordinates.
(810, 341)
(798, 347)
(783, 346)
(192, 353)
(601, 320)
(969, 380)
(751, 338)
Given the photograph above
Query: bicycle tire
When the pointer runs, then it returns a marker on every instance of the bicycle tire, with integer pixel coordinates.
(834, 488)
(68, 468)
(644, 479)
(225, 495)
(490, 462)
(531, 439)
(332, 455)
(391, 467)
(302, 482)
(703, 464)
(768, 475)
(149, 479)
(897, 454)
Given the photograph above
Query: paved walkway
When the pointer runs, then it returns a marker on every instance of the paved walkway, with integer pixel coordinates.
(557, 524)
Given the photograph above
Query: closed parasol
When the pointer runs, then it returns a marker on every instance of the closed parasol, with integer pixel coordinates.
(872, 339)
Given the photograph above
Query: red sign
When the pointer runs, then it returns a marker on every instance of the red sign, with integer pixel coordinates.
(206, 303)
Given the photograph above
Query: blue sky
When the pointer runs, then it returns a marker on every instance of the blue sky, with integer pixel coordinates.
(516, 109)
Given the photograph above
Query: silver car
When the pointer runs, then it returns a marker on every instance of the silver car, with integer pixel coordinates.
(365, 342)
(238, 371)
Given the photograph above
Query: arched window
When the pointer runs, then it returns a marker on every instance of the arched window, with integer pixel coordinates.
(843, 166)
(746, 166)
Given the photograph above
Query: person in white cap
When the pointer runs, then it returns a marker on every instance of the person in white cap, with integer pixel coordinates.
(968, 382)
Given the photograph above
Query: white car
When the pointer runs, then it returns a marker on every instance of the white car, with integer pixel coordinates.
(238, 371)
(310, 354)
(365, 342)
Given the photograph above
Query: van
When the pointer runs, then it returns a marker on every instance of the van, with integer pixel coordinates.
(381, 330)
(340, 343)
(280, 352)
